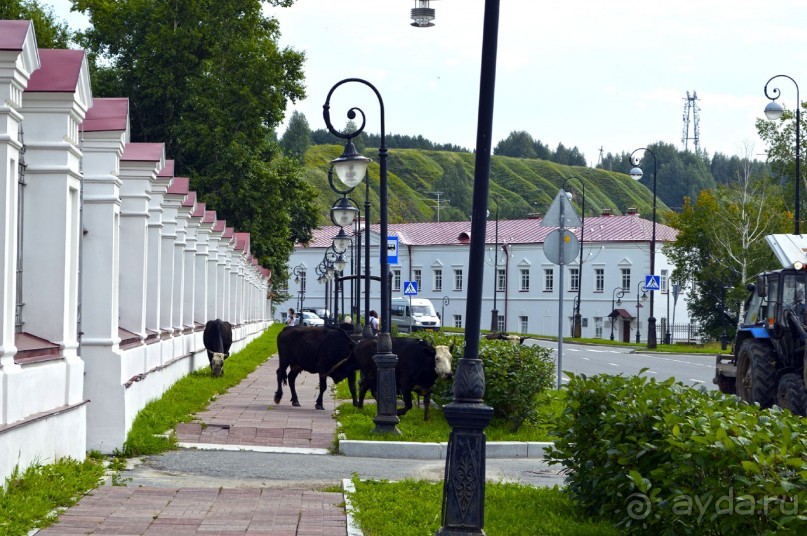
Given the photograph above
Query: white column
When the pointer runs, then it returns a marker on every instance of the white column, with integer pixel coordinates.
(177, 194)
(202, 243)
(139, 165)
(189, 253)
(155, 254)
(16, 65)
(214, 241)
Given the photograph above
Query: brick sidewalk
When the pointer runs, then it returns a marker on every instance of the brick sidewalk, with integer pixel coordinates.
(246, 416)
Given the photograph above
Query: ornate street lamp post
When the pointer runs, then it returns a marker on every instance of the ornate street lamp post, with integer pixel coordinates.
(774, 111)
(446, 301)
(299, 278)
(640, 288)
(578, 327)
(494, 314)
(636, 174)
(351, 168)
(617, 294)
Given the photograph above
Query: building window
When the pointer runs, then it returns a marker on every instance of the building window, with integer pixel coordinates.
(525, 279)
(418, 279)
(598, 327)
(301, 281)
(501, 280)
(396, 279)
(524, 324)
(574, 279)
(438, 280)
(457, 278)
(664, 278)
(457, 321)
(549, 279)
(500, 323)
(625, 277)
(599, 279)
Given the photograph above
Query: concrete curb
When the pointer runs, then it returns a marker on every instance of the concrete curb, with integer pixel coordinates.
(437, 451)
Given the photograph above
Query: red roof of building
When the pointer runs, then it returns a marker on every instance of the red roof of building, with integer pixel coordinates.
(12, 34)
(107, 115)
(58, 72)
(630, 228)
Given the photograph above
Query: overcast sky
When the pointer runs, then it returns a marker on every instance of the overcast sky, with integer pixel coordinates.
(587, 73)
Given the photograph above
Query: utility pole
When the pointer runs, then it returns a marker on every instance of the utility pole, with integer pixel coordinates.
(438, 202)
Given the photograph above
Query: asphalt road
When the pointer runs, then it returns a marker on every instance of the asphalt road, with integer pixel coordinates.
(690, 369)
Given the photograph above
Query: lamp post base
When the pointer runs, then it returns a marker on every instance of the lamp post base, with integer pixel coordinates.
(386, 417)
(494, 320)
(578, 326)
(651, 332)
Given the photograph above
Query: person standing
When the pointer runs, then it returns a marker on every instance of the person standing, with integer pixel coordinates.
(374, 322)
(290, 319)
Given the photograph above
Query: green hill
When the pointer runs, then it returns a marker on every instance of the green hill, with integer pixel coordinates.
(523, 186)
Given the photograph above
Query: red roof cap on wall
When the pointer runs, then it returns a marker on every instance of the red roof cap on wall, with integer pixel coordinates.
(242, 241)
(199, 212)
(12, 34)
(107, 115)
(142, 152)
(190, 201)
(58, 72)
(210, 216)
(179, 186)
(228, 232)
(220, 225)
(167, 170)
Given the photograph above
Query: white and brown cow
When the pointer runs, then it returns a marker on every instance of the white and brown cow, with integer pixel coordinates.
(418, 367)
(217, 338)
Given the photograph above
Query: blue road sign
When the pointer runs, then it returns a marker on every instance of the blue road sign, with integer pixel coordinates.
(652, 282)
(410, 288)
(392, 249)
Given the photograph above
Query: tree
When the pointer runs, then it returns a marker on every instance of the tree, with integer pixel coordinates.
(208, 79)
(721, 241)
(519, 144)
(50, 33)
(297, 138)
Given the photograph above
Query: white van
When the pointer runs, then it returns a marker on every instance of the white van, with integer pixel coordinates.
(420, 315)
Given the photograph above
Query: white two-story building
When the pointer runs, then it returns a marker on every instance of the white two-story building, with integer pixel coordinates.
(520, 282)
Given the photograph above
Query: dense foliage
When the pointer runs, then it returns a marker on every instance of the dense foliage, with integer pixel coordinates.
(662, 458)
(208, 79)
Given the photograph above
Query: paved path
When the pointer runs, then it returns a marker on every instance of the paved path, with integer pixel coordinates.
(245, 418)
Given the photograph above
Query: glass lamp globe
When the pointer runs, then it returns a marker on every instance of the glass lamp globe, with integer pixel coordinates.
(636, 173)
(774, 110)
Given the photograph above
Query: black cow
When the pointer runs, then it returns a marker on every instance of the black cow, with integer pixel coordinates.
(419, 365)
(322, 350)
(217, 338)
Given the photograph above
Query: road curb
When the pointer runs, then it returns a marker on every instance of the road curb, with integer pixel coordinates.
(437, 451)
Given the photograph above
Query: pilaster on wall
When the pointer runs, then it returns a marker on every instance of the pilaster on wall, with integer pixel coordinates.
(18, 59)
(155, 249)
(139, 166)
(178, 215)
(201, 286)
(215, 284)
(191, 230)
(55, 103)
(106, 129)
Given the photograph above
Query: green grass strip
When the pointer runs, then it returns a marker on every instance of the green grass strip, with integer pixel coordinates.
(413, 508)
(191, 394)
(33, 498)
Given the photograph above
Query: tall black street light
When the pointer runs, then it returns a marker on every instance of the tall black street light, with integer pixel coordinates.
(636, 174)
(299, 278)
(617, 294)
(351, 168)
(578, 323)
(463, 510)
(640, 288)
(494, 314)
(774, 111)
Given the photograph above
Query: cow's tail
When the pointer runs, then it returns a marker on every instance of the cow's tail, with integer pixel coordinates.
(282, 377)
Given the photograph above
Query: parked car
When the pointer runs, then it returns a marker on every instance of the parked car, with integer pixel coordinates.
(311, 319)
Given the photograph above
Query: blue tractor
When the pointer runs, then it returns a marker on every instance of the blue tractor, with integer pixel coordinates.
(766, 365)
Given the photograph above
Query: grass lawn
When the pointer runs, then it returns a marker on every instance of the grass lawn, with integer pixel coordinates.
(413, 508)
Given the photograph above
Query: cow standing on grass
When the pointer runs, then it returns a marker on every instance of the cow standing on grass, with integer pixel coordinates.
(418, 367)
(323, 350)
(217, 338)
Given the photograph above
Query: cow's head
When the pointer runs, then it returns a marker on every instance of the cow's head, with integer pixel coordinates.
(442, 362)
(217, 364)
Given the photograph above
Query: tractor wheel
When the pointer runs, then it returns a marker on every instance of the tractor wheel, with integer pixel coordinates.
(756, 373)
(791, 394)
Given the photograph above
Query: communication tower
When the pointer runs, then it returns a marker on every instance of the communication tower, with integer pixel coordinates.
(692, 115)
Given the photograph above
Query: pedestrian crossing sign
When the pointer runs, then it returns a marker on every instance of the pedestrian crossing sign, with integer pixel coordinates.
(652, 282)
(410, 288)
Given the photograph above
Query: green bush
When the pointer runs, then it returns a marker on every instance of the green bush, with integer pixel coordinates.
(515, 377)
(659, 457)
